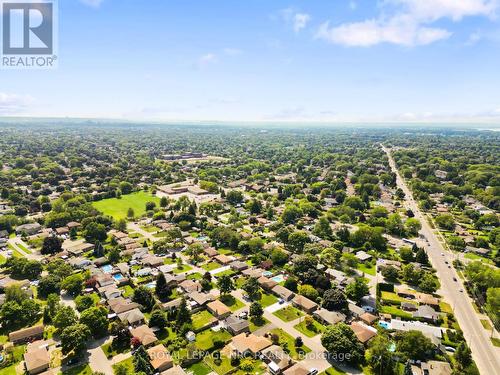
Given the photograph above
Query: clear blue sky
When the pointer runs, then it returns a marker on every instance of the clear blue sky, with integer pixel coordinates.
(329, 60)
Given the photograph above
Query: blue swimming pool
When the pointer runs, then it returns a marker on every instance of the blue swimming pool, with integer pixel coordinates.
(267, 273)
(118, 276)
(151, 285)
(278, 278)
(107, 268)
(385, 325)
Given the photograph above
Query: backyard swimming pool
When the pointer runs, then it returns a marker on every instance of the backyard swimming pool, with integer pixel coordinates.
(107, 268)
(278, 278)
(385, 325)
(151, 285)
(118, 276)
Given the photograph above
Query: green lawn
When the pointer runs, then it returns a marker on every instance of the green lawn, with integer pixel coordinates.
(79, 370)
(267, 299)
(11, 370)
(394, 311)
(184, 268)
(391, 297)
(473, 256)
(117, 208)
(211, 266)
(295, 353)
(495, 341)
(232, 302)
(366, 268)
(222, 367)
(201, 319)
(111, 352)
(312, 331)
(195, 276)
(332, 371)
(199, 368)
(255, 324)
(289, 313)
(129, 363)
(446, 308)
(205, 340)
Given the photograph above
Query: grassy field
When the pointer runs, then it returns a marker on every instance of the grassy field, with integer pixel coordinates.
(205, 340)
(288, 314)
(255, 323)
(231, 302)
(267, 299)
(129, 363)
(79, 370)
(312, 331)
(201, 319)
(117, 208)
(295, 353)
(199, 368)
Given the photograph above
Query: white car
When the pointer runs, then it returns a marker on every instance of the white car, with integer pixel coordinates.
(313, 371)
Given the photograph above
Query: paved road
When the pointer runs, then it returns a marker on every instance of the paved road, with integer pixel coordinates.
(486, 356)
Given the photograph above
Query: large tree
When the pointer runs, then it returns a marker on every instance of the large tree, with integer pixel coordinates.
(340, 339)
(96, 319)
(74, 338)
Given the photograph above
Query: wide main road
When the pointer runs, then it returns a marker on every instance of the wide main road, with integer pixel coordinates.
(486, 356)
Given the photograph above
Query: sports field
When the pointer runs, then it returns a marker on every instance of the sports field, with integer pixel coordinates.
(117, 208)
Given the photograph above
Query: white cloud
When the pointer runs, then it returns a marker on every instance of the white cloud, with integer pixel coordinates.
(409, 25)
(372, 32)
(13, 103)
(300, 21)
(296, 19)
(92, 3)
(432, 10)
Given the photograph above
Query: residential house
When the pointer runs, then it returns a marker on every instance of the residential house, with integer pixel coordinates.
(363, 256)
(29, 229)
(189, 286)
(297, 369)
(218, 309)
(253, 272)
(133, 317)
(236, 325)
(329, 317)
(304, 303)
(363, 332)
(249, 344)
(427, 299)
(120, 305)
(238, 266)
(26, 334)
(427, 313)
(276, 358)
(283, 292)
(266, 283)
(223, 259)
(434, 368)
(175, 370)
(36, 361)
(172, 305)
(200, 299)
(144, 334)
(160, 358)
(210, 252)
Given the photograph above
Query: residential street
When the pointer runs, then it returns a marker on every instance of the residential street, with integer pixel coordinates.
(486, 356)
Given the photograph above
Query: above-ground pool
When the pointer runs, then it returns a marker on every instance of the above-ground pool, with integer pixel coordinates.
(278, 278)
(118, 276)
(107, 268)
(385, 325)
